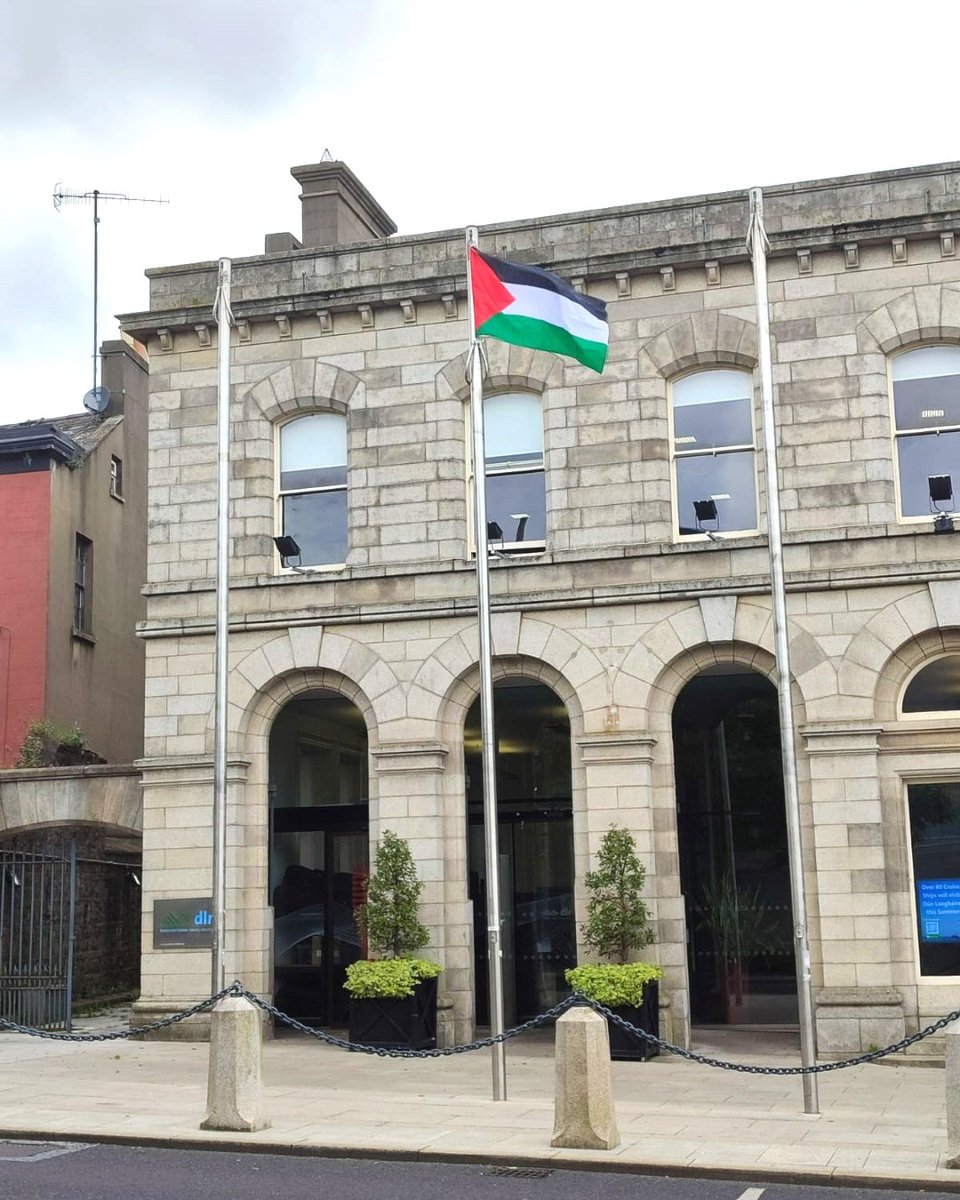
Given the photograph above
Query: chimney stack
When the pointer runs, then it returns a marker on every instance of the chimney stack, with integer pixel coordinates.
(337, 208)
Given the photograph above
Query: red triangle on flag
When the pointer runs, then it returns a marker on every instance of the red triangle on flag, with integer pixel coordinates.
(490, 296)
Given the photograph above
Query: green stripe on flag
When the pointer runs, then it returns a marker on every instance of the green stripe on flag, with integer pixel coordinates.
(542, 335)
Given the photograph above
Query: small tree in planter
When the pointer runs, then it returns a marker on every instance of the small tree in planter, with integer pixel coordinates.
(393, 996)
(618, 924)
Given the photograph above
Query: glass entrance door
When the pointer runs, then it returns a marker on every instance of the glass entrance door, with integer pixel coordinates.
(536, 907)
(733, 850)
(315, 931)
(319, 855)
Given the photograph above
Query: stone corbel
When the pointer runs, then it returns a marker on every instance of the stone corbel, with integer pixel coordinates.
(668, 279)
(166, 340)
(244, 331)
(623, 285)
(898, 249)
(804, 262)
(409, 310)
(712, 270)
(851, 256)
(283, 326)
(325, 317)
(449, 307)
(947, 245)
(578, 283)
(203, 334)
(366, 316)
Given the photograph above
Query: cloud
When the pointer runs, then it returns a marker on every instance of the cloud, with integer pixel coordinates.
(107, 63)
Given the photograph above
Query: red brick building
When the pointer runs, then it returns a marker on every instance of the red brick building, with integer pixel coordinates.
(72, 565)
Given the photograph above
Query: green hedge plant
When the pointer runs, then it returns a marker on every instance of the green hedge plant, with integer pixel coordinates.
(388, 978)
(390, 921)
(614, 985)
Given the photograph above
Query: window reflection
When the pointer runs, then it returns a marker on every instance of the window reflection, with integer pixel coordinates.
(515, 485)
(926, 408)
(713, 446)
(313, 487)
(935, 688)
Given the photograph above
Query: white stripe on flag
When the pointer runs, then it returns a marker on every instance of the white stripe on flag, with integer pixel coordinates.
(555, 309)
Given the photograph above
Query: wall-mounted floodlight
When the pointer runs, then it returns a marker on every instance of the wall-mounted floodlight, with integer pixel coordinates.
(287, 548)
(941, 502)
(706, 510)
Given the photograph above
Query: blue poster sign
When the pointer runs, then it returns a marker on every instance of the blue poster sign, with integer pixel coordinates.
(939, 909)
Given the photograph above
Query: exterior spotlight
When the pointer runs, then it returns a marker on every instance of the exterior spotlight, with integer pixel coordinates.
(940, 488)
(706, 510)
(287, 548)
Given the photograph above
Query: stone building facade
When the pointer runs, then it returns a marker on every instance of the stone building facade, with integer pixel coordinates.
(632, 627)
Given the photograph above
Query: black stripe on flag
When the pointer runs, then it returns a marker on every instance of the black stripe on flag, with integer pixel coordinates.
(510, 272)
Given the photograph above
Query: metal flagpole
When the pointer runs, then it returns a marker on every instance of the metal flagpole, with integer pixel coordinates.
(223, 318)
(490, 828)
(757, 245)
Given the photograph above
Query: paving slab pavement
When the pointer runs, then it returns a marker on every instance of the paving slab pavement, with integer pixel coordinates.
(880, 1124)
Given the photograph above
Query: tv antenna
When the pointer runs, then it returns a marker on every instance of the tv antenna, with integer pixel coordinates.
(99, 396)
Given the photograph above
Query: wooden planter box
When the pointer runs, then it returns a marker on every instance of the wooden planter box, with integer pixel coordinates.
(625, 1046)
(409, 1023)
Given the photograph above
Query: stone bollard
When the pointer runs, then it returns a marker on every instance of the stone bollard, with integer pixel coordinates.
(584, 1114)
(952, 1040)
(234, 1080)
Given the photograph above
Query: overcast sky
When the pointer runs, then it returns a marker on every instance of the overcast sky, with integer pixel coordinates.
(450, 113)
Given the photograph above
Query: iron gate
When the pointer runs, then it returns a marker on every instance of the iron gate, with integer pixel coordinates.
(38, 895)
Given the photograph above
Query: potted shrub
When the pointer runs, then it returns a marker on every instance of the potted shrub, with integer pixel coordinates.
(393, 995)
(741, 928)
(617, 925)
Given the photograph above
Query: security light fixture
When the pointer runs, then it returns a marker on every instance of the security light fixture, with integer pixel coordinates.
(706, 510)
(287, 548)
(941, 502)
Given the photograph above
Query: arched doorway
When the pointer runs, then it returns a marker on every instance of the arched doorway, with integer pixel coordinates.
(319, 851)
(734, 868)
(536, 847)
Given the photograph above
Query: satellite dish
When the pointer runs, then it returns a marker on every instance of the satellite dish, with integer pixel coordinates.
(96, 400)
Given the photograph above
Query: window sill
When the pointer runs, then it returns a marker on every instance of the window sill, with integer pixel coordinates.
(81, 635)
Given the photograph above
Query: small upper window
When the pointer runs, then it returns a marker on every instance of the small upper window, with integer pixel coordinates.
(926, 408)
(516, 495)
(116, 476)
(313, 487)
(714, 453)
(82, 584)
(935, 688)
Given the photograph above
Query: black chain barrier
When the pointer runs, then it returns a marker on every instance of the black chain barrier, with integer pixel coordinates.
(238, 990)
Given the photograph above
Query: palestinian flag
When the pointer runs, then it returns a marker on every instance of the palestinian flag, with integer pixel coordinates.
(529, 307)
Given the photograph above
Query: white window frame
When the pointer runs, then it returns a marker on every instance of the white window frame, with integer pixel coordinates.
(116, 476)
(676, 455)
(280, 493)
(512, 549)
(896, 434)
(906, 779)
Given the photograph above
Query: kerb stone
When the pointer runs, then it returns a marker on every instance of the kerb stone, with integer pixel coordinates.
(952, 1040)
(235, 1076)
(584, 1114)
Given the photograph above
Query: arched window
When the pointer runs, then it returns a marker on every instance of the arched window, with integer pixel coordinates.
(714, 453)
(516, 496)
(934, 689)
(313, 487)
(926, 418)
